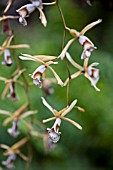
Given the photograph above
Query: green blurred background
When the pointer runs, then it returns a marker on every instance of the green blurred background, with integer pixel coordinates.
(91, 148)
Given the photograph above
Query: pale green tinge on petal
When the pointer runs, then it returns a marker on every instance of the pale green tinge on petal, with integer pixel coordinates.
(42, 17)
(69, 108)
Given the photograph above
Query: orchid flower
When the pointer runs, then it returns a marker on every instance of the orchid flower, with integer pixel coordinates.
(54, 133)
(15, 118)
(5, 48)
(83, 40)
(27, 9)
(40, 71)
(13, 151)
(91, 73)
(10, 85)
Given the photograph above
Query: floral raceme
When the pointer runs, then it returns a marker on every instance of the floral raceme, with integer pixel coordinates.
(23, 119)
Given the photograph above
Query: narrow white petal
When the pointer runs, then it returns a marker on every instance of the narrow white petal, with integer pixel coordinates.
(49, 119)
(73, 76)
(42, 17)
(72, 122)
(93, 64)
(59, 81)
(63, 53)
(68, 56)
(25, 58)
(69, 108)
(89, 26)
(47, 105)
(92, 82)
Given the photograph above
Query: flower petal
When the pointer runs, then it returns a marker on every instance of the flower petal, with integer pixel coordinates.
(72, 122)
(69, 108)
(63, 53)
(92, 82)
(19, 46)
(59, 81)
(8, 17)
(9, 3)
(73, 76)
(89, 26)
(28, 113)
(7, 41)
(51, 3)
(68, 56)
(42, 17)
(46, 57)
(4, 112)
(48, 106)
(49, 119)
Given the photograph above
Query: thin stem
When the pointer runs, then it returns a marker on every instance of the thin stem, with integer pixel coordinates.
(64, 23)
(62, 16)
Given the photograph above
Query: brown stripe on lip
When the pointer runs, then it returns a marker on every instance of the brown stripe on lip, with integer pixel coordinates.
(8, 61)
(57, 128)
(92, 73)
(37, 74)
(86, 42)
